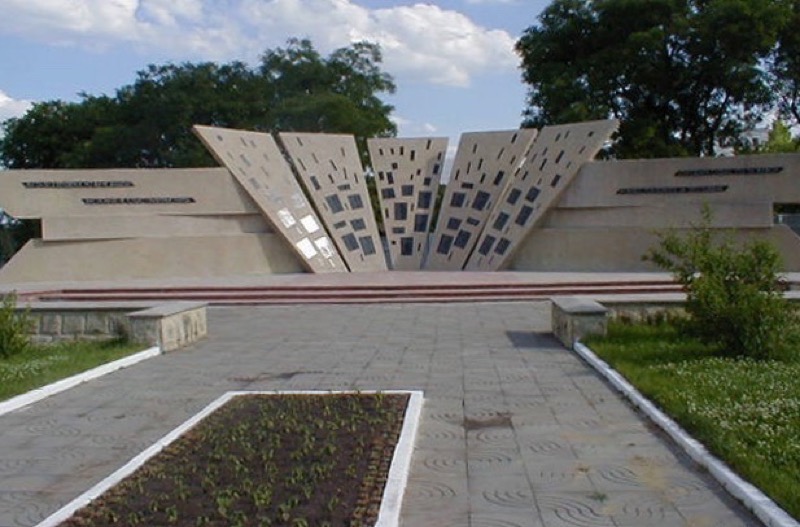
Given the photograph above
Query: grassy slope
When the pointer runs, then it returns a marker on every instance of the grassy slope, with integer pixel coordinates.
(746, 412)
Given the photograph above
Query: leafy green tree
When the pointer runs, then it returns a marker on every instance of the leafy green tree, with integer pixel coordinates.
(785, 66)
(148, 123)
(681, 75)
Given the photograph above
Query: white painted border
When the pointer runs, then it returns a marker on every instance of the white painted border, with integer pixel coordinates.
(393, 492)
(34, 396)
(759, 503)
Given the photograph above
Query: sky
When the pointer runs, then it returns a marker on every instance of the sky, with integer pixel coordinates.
(452, 60)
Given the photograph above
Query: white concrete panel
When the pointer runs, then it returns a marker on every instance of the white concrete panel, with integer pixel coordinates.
(654, 182)
(407, 174)
(330, 169)
(485, 163)
(39, 193)
(551, 164)
(260, 168)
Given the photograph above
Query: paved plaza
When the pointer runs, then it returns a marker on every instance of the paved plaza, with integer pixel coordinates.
(516, 430)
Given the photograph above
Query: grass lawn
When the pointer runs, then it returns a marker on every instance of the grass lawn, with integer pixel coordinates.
(44, 364)
(746, 412)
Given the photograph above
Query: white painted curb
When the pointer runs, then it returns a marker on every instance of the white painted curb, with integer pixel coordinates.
(762, 506)
(34, 396)
(395, 485)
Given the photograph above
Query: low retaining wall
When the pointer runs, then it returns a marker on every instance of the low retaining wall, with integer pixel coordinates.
(170, 326)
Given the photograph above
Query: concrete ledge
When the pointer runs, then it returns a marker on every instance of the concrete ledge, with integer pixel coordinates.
(170, 326)
(576, 317)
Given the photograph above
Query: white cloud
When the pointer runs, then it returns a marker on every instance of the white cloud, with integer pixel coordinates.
(506, 2)
(420, 41)
(12, 107)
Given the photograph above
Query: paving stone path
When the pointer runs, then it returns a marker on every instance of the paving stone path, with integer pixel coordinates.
(516, 430)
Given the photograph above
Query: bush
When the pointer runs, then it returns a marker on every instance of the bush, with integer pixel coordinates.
(734, 293)
(13, 328)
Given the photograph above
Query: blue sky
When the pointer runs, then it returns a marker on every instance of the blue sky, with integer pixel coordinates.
(452, 60)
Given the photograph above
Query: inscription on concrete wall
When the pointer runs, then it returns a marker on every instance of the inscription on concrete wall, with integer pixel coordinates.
(747, 171)
(77, 184)
(674, 190)
(136, 201)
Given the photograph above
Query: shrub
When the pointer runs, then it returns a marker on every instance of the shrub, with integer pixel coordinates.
(13, 328)
(734, 292)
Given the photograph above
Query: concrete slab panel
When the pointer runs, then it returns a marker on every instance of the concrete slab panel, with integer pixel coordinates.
(407, 176)
(485, 163)
(260, 168)
(661, 216)
(647, 182)
(619, 249)
(550, 166)
(330, 169)
(70, 228)
(184, 257)
(29, 194)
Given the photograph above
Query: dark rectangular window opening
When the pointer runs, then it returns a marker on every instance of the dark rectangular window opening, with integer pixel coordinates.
(532, 194)
(481, 200)
(421, 223)
(486, 245)
(502, 246)
(398, 230)
(339, 224)
(315, 182)
(358, 224)
(473, 221)
(355, 201)
(400, 211)
(498, 178)
(500, 222)
(513, 196)
(367, 245)
(424, 200)
(458, 199)
(445, 242)
(334, 203)
(387, 193)
(350, 242)
(524, 215)
(453, 224)
(407, 246)
(555, 181)
(462, 239)
(407, 190)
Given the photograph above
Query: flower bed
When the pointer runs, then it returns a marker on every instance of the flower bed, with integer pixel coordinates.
(265, 459)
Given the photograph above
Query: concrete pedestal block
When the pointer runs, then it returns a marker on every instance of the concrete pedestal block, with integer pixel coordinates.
(170, 326)
(574, 318)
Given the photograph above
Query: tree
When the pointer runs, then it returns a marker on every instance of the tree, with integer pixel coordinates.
(681, 75)
(148, 123)
(785, 66)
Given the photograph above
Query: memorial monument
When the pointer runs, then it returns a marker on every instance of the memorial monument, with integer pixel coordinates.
(522, 200)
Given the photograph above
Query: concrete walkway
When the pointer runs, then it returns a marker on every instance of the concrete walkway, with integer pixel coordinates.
(516, 430)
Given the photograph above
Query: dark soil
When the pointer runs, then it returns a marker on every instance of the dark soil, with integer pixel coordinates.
(265, 460)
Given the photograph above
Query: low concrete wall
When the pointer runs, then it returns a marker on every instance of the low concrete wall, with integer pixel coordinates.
(576, 317)
(169, 326)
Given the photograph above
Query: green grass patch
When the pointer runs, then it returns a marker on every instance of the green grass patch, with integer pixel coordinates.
(41, 365)
(747, 412)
